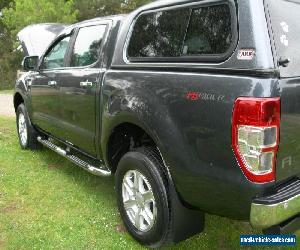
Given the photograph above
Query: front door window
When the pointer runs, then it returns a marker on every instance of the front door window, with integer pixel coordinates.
(55, 58)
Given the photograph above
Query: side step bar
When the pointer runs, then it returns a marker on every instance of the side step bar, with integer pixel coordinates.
(102, 171)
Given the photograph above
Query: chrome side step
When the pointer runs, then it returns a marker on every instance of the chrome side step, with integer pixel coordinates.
(102, 171)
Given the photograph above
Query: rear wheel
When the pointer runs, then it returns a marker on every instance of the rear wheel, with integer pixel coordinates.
(26, 132)
(139, 201)
(142, 197)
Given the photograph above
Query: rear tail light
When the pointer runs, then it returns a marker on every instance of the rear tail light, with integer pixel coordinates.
(255, 136)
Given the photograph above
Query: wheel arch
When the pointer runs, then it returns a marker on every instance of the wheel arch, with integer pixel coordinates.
(18, 99)
(158, 126)
(124, 137)
(22, 92)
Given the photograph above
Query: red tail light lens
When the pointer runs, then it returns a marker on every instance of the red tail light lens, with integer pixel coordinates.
(255, 136)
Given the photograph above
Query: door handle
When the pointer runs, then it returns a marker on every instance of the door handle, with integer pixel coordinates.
(86, 84)
(29, 82)
(52, 83)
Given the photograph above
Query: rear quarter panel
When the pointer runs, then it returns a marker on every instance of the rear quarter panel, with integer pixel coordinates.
(194, 136)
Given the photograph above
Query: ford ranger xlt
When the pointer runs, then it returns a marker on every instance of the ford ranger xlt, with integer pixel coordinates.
(193, 106)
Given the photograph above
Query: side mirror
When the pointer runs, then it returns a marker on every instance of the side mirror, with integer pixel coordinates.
(30, 63)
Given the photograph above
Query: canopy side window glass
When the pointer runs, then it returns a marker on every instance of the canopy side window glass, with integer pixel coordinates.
(182, 32)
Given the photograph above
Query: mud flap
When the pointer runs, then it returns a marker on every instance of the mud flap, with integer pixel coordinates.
(185, 222)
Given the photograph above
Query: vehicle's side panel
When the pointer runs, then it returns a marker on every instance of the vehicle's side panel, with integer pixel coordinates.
(78, 107)
(80, 85)
(189, 117)
(45, 102)
(44, 90)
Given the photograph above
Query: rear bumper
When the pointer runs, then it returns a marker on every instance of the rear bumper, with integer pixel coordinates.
(277, 207)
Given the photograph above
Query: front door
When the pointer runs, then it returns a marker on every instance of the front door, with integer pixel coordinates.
(79, 88)
(45, 95)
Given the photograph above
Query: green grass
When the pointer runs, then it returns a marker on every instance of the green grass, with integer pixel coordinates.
(9, 91)
(48, 203)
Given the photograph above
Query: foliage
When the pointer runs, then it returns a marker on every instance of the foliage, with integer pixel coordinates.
(97, 8)
(9, 61)
(131, 5)
(17, 14)
(9, 65)
(25, 12)
(4, 3)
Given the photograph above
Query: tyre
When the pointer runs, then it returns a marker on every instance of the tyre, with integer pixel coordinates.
(26, 132)
(142, 197)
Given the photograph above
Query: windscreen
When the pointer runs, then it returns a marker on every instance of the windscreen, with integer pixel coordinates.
(285, 22)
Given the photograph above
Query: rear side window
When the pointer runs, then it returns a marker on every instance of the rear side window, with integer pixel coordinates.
(159, 34)
(209, 31)
(87, 46)
(182, 32)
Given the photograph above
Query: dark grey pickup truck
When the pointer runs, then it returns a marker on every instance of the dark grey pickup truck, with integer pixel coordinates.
(194, 106)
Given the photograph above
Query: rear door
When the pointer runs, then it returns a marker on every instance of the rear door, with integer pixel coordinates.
(45, 95)
(285, 28)
(80, 89)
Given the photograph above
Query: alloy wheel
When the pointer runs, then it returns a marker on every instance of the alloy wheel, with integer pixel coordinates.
(139, 201)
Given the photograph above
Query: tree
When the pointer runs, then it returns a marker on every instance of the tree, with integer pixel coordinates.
(3, 30)
(4, 3)
(17, 14)
(22, 13)
(8, 61)
(97, 8)
(130, 5)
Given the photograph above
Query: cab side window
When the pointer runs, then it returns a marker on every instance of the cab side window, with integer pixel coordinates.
(55, 58)
(87, 46)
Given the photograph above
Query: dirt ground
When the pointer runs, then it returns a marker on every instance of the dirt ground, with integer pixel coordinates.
(6, 105)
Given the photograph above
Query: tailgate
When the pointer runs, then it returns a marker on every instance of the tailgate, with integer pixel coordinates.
(285, 29)
(288, 160)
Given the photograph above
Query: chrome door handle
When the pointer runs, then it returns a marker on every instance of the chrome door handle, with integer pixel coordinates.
(52, 83)
(86, 84)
